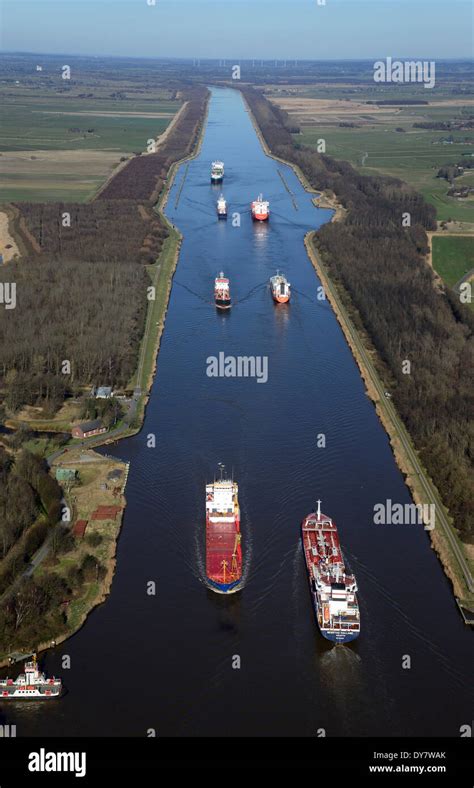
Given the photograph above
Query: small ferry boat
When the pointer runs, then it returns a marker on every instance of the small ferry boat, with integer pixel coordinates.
(222, 292)
(30, 685)
(280, 288)
(221, 207)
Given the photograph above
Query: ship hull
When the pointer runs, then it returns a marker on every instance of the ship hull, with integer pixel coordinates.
(217, 178)
(259, 217)
(334, 637)
(223, 304)
(30, 696)
(279, 299)
(221, 215)
(225, 588)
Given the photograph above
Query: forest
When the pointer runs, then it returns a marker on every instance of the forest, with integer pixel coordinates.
(30, 506)
(82, 286)
(379, 264)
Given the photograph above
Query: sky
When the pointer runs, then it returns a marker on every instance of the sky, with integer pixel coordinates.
(239, 29)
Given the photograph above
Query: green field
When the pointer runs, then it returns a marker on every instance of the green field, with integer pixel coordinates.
(415, 156)
(59, 148)
(453, 257)
(58, 123)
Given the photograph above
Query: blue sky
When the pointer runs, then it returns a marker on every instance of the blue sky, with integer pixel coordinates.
(240, 28)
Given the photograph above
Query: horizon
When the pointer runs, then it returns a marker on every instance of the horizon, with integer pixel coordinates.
(267, 30)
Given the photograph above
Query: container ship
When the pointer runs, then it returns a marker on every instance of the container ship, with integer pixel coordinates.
(260, 209)
(222, 292)
(217, 172)
(221, 207)
(223, 537)
(333, 588)
(32, 684)
(280, 288)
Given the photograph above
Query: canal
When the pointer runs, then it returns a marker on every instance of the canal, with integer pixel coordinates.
(167, 661)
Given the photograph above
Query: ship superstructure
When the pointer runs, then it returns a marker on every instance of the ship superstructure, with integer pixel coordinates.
(333, 588)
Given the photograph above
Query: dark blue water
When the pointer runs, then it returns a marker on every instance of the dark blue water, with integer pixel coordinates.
(165, 662)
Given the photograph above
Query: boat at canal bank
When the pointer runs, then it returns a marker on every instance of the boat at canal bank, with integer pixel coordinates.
(33, 684)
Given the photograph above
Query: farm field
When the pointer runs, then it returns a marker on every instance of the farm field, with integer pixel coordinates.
(56, 147)
(58, 123)
(376, 145)
(454, 257)
(46, 175)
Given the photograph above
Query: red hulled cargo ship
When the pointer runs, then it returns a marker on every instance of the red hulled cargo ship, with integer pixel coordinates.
(260, 209)
(223, 537)
(333, 588)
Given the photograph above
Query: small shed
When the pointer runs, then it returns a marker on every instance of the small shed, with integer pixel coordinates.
(79, 528)
(66, 474)
(103, 392)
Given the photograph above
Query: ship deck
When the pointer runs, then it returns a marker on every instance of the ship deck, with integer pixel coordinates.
(220, 547)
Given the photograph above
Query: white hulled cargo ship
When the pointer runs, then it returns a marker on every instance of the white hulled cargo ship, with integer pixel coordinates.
(217, 172)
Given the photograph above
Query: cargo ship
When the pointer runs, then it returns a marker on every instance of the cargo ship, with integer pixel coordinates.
(217, 172)
(30, 685)
(333, 588)
(280, 288)
(222, 207)
(222, 292)
(260, 209)
(223, 537)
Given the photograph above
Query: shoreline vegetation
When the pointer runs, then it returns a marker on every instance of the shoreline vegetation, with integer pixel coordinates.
(455, 555)
(85, 587)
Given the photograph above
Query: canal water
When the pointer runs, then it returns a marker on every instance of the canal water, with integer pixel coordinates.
(168, 661)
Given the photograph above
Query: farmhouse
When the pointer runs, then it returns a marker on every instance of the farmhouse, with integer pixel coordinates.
(88, 429)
